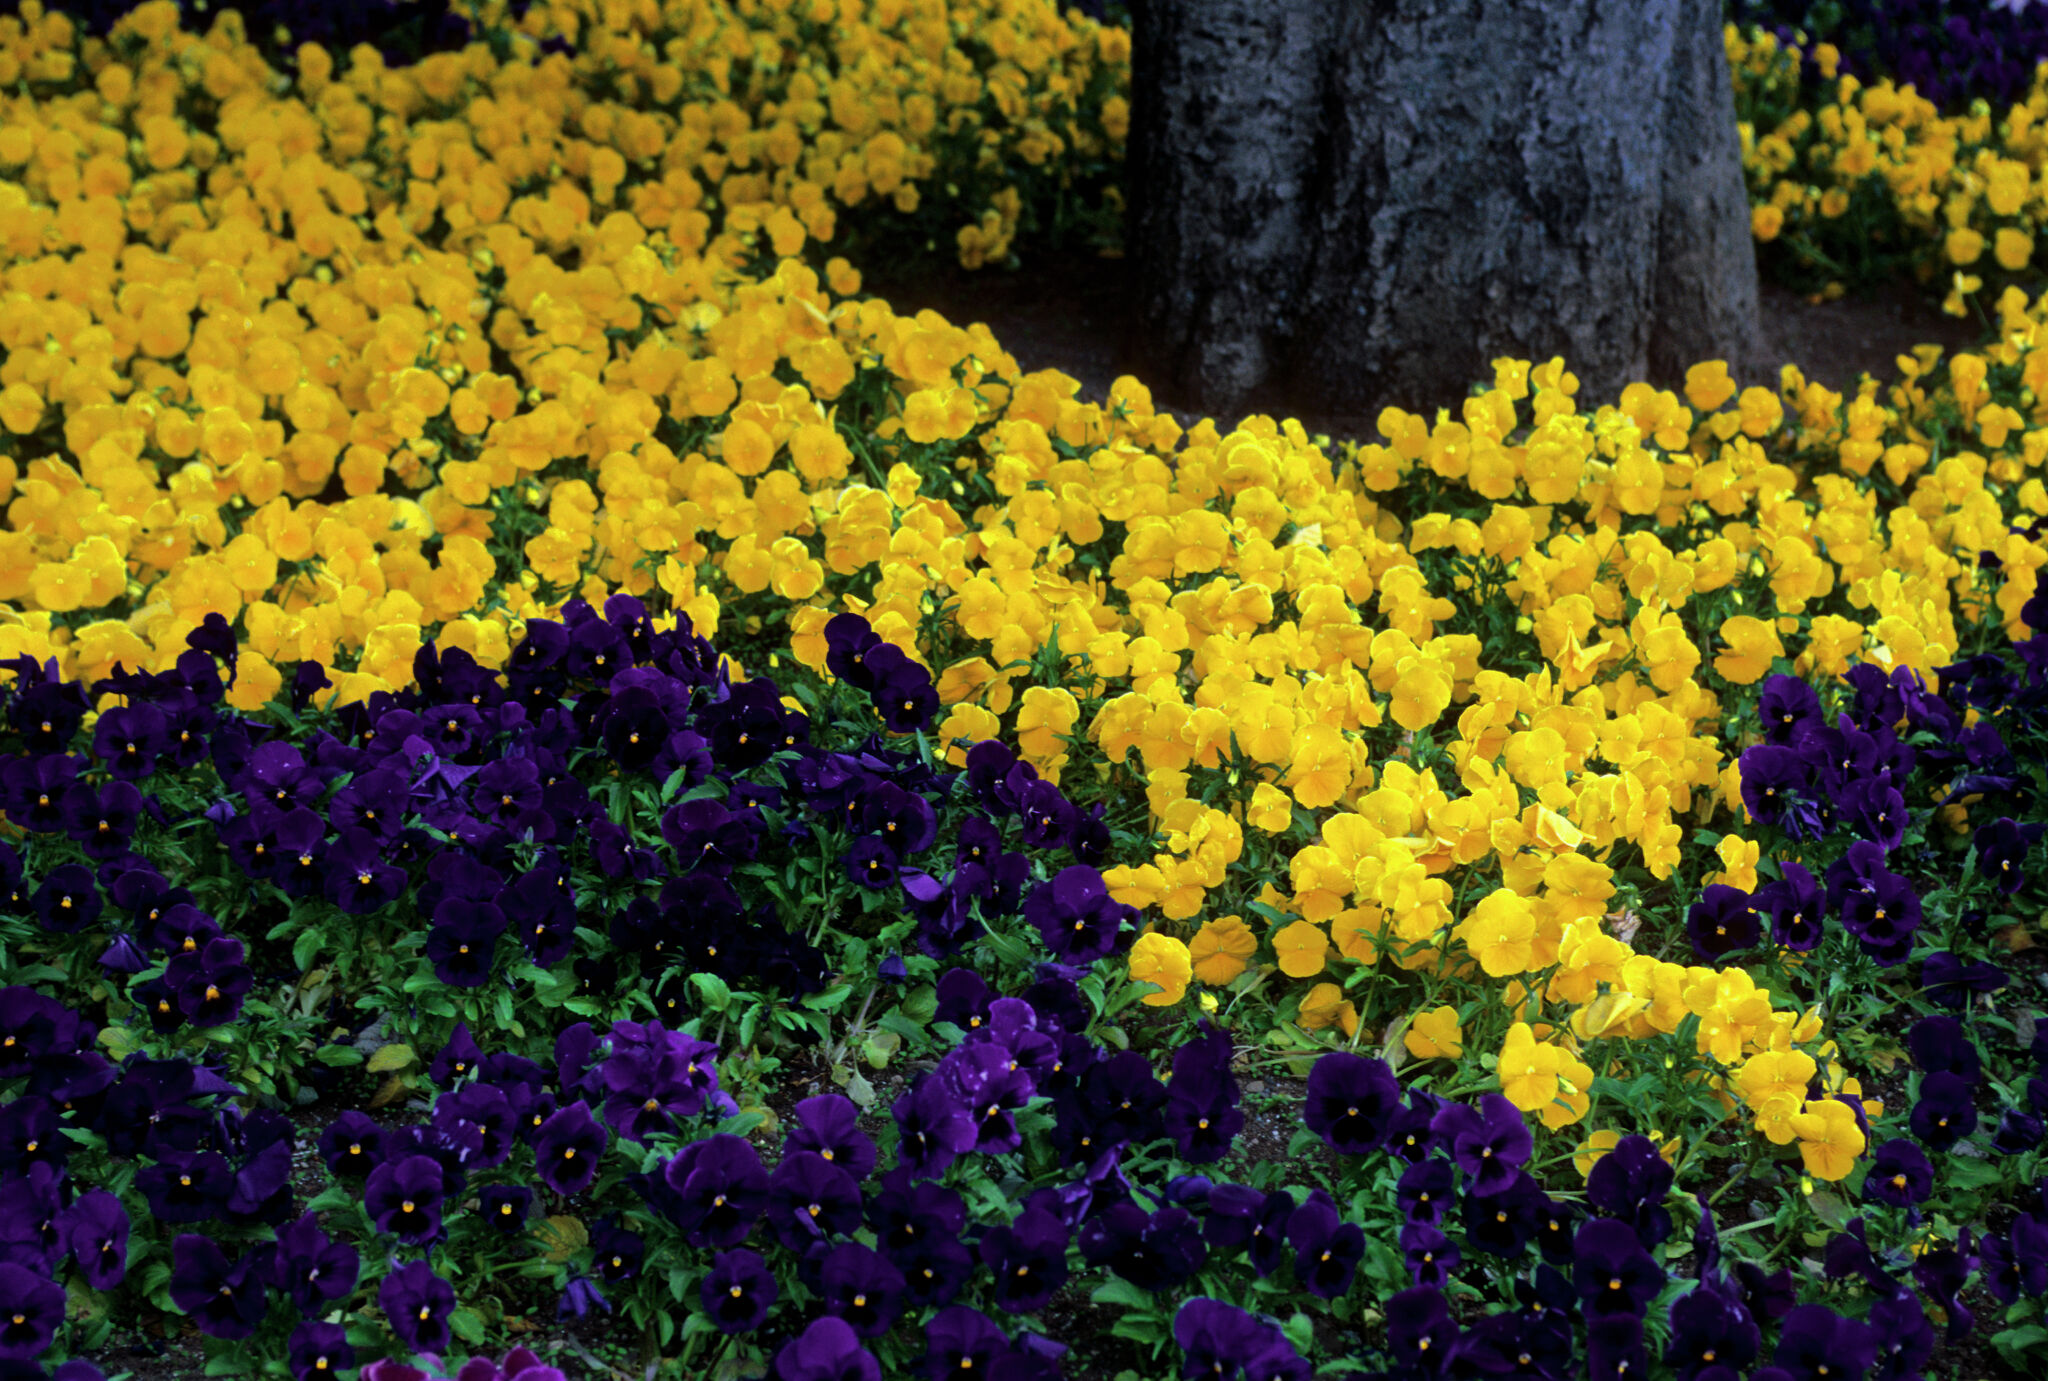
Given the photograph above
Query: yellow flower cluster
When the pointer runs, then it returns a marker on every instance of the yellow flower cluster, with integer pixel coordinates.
(1968, 192)
(336, 321)
(389, 356)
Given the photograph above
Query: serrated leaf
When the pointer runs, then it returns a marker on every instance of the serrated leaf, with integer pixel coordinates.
(561, 1237)
(467, 1325)
(391, 1057)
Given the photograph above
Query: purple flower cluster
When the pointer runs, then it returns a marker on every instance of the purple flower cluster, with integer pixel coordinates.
(1953, 51)
(466, 799)
(1596, 1277)
(463, 796)
(205, 1160)
(1811, 781)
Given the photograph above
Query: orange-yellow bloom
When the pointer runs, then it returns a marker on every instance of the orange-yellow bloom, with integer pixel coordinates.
(1435, 1035)
(1162, 960)
(1222, 949)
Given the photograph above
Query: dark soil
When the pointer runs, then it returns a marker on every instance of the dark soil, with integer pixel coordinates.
(1077, 313)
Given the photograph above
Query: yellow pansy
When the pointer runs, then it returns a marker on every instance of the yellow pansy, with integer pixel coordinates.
(1435, 1034)
(1222, 949)
(1163, 960)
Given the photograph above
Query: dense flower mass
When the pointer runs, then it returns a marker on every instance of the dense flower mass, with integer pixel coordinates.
(510, 668)
(1911, 144)
(1953, 51)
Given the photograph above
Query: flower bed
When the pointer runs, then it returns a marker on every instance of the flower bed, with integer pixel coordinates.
(521, 683)
(1954, 51)
(1856, 181)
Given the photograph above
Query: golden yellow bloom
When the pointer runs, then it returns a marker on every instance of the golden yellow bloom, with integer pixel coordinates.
(1161, 959)
(1752, 645)
(1435, 1034)
(1707, 385)
(1222, 949)
(1302, 948)
(746, 447)
(1270, 809)
(1325, 1004)
(2014, 249)
(1500, 932)
(1829, 1139)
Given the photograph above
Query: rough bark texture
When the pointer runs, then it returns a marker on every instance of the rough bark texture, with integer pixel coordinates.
(1219, 171)
(1368, 201)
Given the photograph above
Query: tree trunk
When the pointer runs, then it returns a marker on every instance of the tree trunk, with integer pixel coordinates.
(1354, 203)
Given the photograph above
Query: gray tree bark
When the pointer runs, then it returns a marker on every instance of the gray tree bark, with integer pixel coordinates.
(1351, 203)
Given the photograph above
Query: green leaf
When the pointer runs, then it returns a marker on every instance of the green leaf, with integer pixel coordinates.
(2014, 1343)
(717, 996)
(304, 949)
(899, 1025)
(467, 1324)
(119, 1041)
(1300, 1330)
(921, 1004)
(1008, 947)
(674, 784)
(860, 1091)
(391, 1058)
(1965, 1173)
(1829, 1207)
(880, 1047)
(329, 1199)
(1139, 1328)
(1117, 1290)
(830, 1001)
